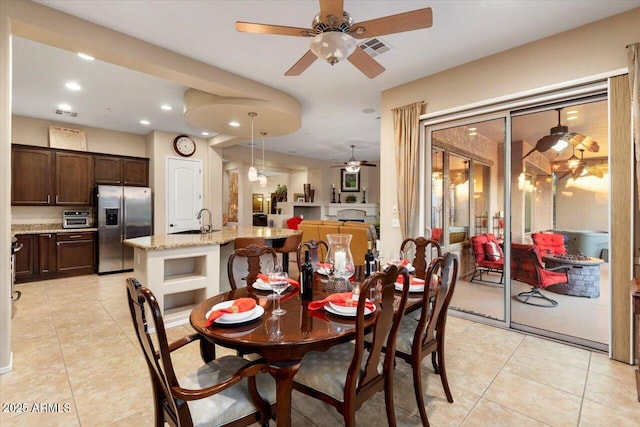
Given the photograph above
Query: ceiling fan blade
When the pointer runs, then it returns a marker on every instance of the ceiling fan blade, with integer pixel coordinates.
(407, 21)
(363, 62)
(302, 64)
(250, 27)
(331, 8)
(368, 164)
(530, 151)
(585, 141)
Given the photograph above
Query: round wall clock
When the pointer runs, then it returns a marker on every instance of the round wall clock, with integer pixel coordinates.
(184, 145)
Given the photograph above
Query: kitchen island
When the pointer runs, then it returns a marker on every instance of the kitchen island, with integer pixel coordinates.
(185, 269)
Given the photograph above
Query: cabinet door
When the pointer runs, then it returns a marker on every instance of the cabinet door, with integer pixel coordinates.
(46, 253)
(74, 252)
(74, 179)
(24, 266)
(107, 170)
(136, 172)
(31, 176)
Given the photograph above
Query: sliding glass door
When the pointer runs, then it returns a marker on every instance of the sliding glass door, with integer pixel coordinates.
(466, 202)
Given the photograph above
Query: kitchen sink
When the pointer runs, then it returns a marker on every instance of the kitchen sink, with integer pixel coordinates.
(192, 232)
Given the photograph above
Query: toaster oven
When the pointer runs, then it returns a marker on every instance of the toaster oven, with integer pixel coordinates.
(76, 219)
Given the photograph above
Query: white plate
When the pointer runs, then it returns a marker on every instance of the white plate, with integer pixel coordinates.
(256, 313)
(261, 286)
(230, 317)
(324, 271)
(346, 311)
(412, 288)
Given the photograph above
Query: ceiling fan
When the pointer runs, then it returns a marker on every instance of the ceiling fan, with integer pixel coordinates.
(559, 137)
(575, 167)
(334, 33)
(354, 165)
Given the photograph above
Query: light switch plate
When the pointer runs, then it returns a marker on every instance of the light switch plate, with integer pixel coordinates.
(395, 223)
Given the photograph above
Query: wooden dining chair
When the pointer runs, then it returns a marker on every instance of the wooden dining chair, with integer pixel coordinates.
(289, 245)
(347, 374)
(317, 251)
(253, 256)
(422, 249)
(419, 338)
(229, 391)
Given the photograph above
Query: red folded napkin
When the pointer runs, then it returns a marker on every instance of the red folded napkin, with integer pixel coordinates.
(344, 299)
(404, 263)
(412, 280)
(239, 306)
(265, 279)
(323, 264)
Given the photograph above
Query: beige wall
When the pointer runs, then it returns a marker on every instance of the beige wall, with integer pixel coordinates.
(597, 48)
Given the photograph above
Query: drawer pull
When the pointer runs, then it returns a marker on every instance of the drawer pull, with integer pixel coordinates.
(75, 236)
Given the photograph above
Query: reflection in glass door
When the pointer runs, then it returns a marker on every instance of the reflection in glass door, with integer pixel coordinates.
(559, 207)
(467, 204)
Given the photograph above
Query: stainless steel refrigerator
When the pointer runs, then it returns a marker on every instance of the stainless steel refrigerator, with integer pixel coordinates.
(123, 213)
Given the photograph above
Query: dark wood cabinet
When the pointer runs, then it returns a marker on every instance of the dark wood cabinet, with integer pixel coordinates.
(136, 172)
(107, 170)
(74, 179)
(113, 170)
(74, 253)
(53, 255)
(46, 254)
(25, 265)
(32, 176)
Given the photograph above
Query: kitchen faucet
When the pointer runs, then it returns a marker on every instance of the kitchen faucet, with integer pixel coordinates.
(205, 228)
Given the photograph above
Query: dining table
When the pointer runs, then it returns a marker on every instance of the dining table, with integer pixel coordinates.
(282, 340)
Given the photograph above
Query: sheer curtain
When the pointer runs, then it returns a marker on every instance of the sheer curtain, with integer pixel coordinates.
(633, 51)
(406, 129)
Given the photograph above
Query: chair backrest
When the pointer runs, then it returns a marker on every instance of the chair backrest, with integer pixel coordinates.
(423, 253)
(252, 254)
(146, 314)
(309, 230)
(290, 243)
(317, 252)
(477, 247)
(384, 332)
(549, 242)
(442, 274)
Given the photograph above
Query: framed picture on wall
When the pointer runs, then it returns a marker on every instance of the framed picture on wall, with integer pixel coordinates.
(258, 202)
(350, 181)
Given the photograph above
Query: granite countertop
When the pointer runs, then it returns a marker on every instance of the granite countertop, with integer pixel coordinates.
(45, 229)
(227, 234)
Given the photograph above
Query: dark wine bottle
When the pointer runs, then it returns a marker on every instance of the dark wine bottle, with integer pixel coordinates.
(369, 261)
(306, 278)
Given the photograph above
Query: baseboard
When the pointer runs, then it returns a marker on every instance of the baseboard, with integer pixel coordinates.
(8, 368)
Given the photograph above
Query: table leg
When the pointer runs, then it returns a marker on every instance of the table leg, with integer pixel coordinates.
(283, 374)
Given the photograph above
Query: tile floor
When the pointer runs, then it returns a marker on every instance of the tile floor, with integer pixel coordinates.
(73, 345)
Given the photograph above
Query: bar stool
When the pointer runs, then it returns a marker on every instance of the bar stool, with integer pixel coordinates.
(243, 242)
(290, 245)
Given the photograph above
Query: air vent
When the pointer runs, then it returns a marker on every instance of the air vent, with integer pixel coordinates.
(375, 47)
(67, 113)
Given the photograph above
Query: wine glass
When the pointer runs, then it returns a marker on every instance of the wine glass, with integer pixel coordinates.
(272, 266)
(396, 258)
(279, 282)
(379, 257)
(272, 326)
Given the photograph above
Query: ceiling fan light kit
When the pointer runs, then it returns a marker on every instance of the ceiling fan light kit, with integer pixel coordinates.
(333, 46)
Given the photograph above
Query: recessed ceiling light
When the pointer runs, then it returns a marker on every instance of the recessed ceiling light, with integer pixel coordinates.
(73, 86)
(234, 124)
(204, 133)
(166, 107)
(64, 107)
(472, 129)
(145, 122)
(572, 117)
(85, 56)
(473, 133)
(571, 112)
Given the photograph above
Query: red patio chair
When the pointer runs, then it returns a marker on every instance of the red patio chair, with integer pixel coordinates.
(487, 261)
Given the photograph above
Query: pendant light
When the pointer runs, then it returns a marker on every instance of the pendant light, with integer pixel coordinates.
(263, 177)
(253, 173)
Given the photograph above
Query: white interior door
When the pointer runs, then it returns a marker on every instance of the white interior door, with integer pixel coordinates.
(184, 194)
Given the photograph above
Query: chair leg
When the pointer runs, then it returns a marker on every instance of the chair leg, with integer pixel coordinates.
(443, 371)
(434, 362)
(388, 400)
(417, 388)
(543, 300)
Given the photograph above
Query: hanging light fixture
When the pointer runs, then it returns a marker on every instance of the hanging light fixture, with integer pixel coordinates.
(262, 177)
(253, 173)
